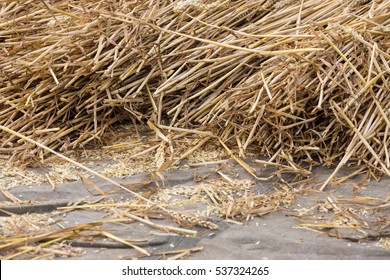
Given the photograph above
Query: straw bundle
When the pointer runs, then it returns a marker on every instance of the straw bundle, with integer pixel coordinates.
(297, 80)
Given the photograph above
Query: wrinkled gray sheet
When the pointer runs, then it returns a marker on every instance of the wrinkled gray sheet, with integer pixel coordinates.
(273, 236)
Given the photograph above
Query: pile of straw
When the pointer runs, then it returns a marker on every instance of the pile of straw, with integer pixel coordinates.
(300, 81)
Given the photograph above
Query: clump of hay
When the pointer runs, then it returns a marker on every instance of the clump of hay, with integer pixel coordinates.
(301, 81)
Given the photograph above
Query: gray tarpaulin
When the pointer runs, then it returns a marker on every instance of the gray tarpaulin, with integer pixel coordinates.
(273, 236)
